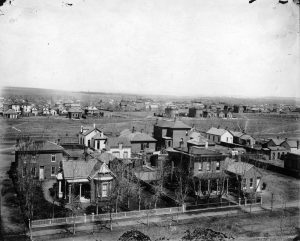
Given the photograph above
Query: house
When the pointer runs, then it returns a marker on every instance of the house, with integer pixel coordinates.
(274, 152)
(99, 141)
(120, 147)
(242, 138)
(196, 139)
(16, 107)
(139, 141)
(34, 111)
(238, 109)
(219, 135)
(228, 114)
(91, 111)
(46, 111)
(206, 165)
(41, 158)
(196, 111)
(272, 142)
(75, 113)
(53, 112)
(170, 133)
(88, 180)
(86, 135)
(171, 111)
(291, 145)
(220, 114)
(248, 176)
(11, 114)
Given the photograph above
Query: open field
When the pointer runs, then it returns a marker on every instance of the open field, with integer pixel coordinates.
(259, 125)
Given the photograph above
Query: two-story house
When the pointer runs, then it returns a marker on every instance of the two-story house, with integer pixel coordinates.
(41, 159)
(170, 133)
(120, 147)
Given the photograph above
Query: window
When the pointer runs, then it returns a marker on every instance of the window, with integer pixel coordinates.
(53, 158)
(125, 154)
(273, 156)
(98, 145)
(104, 189)
(218, 166)
(278, 155)
(89, 143)
(33, 171)
(200, 166)
(208, 166)
(251, 182)
(52, 171)
(24, 172)
(33, 158)
(116, 154)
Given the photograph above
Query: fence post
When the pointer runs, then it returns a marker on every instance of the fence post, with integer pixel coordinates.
(93, 217)
(245, 201)
(29, 224)
(84, 217)
(239, 201)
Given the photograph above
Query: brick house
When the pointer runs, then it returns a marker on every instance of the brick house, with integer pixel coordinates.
(42, 159)
(250, 178)
(170, 133)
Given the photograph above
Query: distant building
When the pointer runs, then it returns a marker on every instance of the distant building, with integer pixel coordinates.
(291, 145)
(120, 147)
(196, 111)
(171, 111)
(11, 114)
(75, 113)
(92, 137)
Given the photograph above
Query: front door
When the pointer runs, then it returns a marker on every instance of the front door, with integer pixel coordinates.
(42, 173)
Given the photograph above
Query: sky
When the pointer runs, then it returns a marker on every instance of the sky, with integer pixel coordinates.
(175, 47)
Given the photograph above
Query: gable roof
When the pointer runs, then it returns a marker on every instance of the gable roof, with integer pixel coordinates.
(290, 143)
(239, 168)
(276, 141)
(11, 111)
(78, 169)
(217, 131)
(41, 146)
(236, 133)
(104, 157)
(75, 109)
(89, 130)
(114, 142)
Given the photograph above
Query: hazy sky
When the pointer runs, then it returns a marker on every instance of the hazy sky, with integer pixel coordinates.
(181, 47)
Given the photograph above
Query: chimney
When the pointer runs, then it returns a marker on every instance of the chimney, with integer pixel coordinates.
(81, 129)
(58, 141)
(218, 127)
(133, 129)
(206, 144)
(101, 134)
(94, 125)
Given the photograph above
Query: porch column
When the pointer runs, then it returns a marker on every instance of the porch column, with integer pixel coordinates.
(60, 194)
(227, 186)
(208, 189)
(217, 186)
(70, 192)
(200, 188)
(80, 184)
